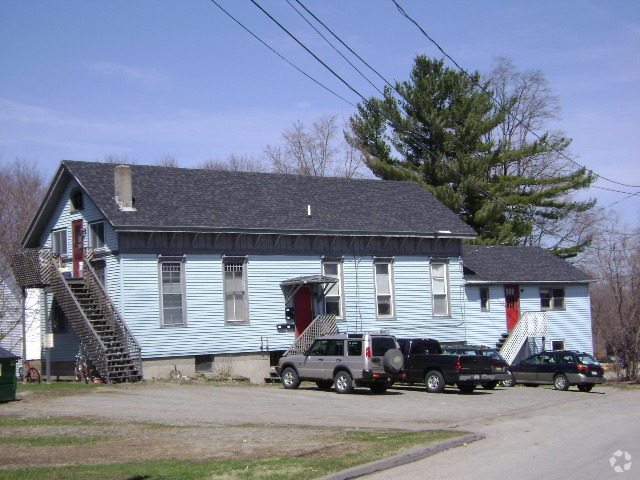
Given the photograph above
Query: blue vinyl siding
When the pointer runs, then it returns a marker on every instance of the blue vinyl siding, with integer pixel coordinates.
(62, 217)
(572, 325)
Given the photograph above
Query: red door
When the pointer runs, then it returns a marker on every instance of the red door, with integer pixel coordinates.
(304, 309)
(512, 301)
(78, 247)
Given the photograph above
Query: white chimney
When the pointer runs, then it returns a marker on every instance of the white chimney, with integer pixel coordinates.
(124, 189)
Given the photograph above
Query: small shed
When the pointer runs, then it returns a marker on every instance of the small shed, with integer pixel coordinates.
(8, 381)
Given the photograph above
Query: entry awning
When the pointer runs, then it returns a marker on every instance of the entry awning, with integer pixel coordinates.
(295, 284)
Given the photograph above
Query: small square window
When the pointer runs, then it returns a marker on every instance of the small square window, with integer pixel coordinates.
(552, 299)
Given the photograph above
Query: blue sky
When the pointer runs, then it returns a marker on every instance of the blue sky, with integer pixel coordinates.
(85, 79)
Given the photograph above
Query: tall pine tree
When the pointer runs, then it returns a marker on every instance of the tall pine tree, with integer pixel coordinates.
(438, 128)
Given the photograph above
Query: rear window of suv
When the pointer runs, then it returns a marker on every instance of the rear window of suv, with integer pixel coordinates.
(587, 359)
(380, 345)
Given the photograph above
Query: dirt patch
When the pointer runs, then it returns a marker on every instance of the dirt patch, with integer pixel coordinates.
(106, 443)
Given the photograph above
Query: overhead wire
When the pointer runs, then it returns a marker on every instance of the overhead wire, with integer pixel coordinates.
(280, 55)
(408, 17)
(366, 101)
(333, 46)
(390, 120)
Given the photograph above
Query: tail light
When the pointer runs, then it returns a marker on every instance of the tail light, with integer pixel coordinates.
(367, 352)
(582, 368)
(458, 365)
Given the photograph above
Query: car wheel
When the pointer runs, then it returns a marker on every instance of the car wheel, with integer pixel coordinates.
(290, 378)
(434, 382)
(466, 388)
(490, 385)
(393, 361)
(324, 384)
(343, 382)
(585, 388)
(561, 382)
(509, 383)
(378, 387)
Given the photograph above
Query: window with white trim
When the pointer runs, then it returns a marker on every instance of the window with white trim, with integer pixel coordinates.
(552, 299)
(385, 298)
(484, 299)
(173, 306)
(333, 299)
(59, 242)
(440, 289)
(96, 235)
(235, 291)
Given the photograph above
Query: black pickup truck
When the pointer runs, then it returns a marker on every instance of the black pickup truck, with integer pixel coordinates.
(425, 363)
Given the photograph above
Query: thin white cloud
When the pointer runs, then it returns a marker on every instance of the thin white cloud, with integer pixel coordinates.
(139, 75)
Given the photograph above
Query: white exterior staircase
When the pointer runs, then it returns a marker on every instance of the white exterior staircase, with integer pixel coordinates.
(531, 324)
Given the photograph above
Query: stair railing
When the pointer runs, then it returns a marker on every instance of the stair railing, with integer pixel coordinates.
(321, 325)
(87, 335)
(531, 324)
(112, 315)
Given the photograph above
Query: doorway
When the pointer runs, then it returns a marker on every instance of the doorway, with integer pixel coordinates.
(512, 302)
(78, 247)
(303, 304)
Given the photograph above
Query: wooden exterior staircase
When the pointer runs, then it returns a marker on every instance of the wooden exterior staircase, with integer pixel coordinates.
(101, 330)
(321, 325)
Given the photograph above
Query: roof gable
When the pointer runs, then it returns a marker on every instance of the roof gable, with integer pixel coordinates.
(515, 264)
(181, 199)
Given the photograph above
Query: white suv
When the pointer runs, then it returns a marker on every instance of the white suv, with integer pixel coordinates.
(346, 360)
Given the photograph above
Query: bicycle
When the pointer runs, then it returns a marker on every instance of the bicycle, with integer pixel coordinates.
(85, 371)
(33, 375)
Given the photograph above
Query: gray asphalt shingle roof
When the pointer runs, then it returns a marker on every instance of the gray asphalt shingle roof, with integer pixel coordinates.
(181, 199)
(502, 264)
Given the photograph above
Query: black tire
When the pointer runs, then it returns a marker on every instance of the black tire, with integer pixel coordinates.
(33, 375)
(509, 383)
(561, 382)
(434, 382)
(490, 385)
(343, 382)
(393, 361)
(324, 384)
(466, 388)
(379, 387)
(585, 388)
(290, 378)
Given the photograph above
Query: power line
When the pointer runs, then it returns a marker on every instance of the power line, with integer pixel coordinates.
(345, 45)
(332, 46)
(279, 55)
(408, 17)
(308, 50)
(390, 120)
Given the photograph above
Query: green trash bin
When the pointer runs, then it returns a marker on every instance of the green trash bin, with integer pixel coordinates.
(8, 380)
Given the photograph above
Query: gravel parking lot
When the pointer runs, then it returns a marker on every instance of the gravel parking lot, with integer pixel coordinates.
(508, 417)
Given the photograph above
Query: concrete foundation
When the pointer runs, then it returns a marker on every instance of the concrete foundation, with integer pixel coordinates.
(254, 366)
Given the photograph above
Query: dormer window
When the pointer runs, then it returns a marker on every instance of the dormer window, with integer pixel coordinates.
(76, 200)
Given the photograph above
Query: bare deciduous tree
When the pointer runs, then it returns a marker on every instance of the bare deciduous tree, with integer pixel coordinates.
(532, 103)
(119, 159)
(168, 161)
(615, 298)
(21, 187)
(235, 163)
(317, 151)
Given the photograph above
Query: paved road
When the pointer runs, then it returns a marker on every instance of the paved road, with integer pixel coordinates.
(536, 433)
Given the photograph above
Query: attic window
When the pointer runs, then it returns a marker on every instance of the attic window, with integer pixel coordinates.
(76, 200)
